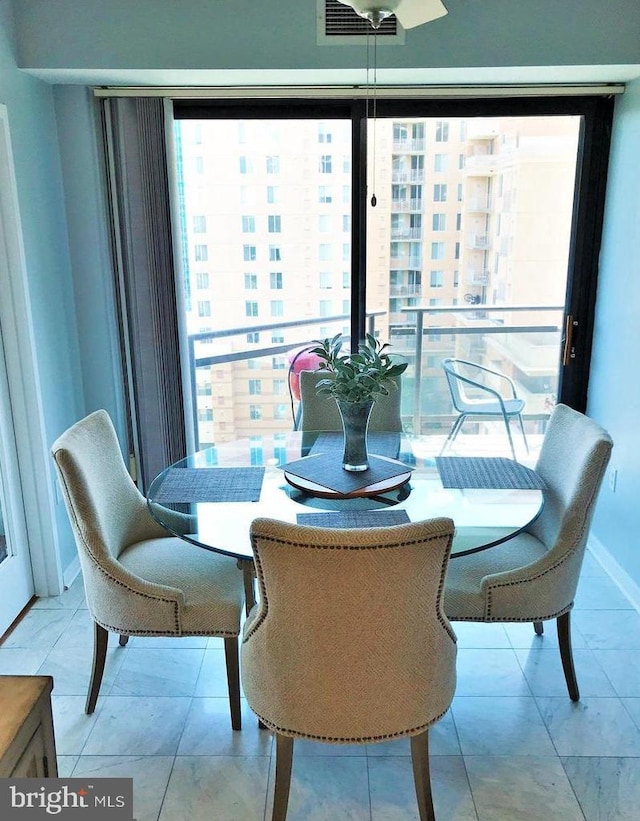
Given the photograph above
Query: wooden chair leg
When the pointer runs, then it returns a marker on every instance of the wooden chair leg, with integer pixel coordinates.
(538, 626)
(100, 641)
(421, 775)
(564, 640)
(233, 680)
(284, 758)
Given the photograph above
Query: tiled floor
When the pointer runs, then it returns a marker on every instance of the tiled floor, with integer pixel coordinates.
(513, 747)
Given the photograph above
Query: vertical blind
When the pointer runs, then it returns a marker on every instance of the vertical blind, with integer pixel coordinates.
(145, 281)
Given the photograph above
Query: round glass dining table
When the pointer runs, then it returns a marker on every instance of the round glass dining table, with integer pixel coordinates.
(211, 497)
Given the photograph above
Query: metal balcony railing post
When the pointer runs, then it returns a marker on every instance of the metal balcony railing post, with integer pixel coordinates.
(417, 385)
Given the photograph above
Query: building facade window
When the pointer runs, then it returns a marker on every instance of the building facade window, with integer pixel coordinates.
(251, 282)
(274, 224)
(275, 281)
(248, 225)
(201, 253)
(199, 225)
(326, 164)
(440, 192)
(249, 253)
(437, 250)
(251, 308)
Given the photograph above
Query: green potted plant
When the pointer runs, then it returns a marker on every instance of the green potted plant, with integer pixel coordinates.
(355, 380)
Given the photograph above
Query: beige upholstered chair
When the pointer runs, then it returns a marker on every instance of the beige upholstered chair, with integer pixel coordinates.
(533, 577)
(321, 412)
(139, 581)
(349, 643)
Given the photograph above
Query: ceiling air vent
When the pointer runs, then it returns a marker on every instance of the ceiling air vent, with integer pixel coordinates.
(338, 24)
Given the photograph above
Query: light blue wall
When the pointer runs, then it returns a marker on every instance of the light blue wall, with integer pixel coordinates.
(614, 387)
(32, 123)
(85, 201)
(281, 34)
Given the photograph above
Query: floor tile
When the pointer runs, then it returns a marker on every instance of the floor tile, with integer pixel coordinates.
(609, 629)
(129, 725)
(212, 679)
(207, 731)
(71, 669)
(488, 673)
(443, 740)
(66, 763)
(158, 672)
(591, 566)
(168, 642)
(217, 788)
(19, 661)
(501, 726)
(80, 632)
(608, 789)
(39, 629)
(150, 776)
(543, 671)
(69, 599)
(510, 788)
(480, 635)
(622, 668)
(600, 593)
(393, 795)
(71, 725)
(327, 788)
(590, 727)
(523, 637)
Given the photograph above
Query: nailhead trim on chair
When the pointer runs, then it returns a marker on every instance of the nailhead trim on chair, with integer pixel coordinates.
(355, 739)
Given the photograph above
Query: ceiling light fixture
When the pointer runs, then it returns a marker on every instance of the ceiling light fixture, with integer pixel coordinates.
(410, 13)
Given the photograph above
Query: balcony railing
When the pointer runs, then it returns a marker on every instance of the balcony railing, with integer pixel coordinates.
(406, 233)
(406, 205)
(530, 348)
(410, 175)
(476, 276)
(479, 242)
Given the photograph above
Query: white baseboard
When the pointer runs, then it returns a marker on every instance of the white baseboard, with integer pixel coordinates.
(71, 572)
(627, 585)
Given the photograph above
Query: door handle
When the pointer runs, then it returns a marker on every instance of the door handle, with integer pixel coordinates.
(568, 351)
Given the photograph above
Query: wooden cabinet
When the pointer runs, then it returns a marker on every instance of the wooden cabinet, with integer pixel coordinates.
(27, 745)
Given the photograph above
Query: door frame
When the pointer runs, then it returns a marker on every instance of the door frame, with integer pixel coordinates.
(30, 500)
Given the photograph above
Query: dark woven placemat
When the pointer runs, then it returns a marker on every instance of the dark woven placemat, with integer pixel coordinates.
(326, 469)
(211, 485)
(486, 472)
(379, 444)
(354, 518)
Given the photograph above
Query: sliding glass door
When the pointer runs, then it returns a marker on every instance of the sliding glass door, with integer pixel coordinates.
(468, 252)
(265, 215)
(482, 245)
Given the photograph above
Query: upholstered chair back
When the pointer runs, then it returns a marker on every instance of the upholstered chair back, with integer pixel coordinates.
(572, 462)
(321, 412)
(349, 642)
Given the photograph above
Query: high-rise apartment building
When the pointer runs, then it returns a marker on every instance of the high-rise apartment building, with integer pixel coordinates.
(470, 214)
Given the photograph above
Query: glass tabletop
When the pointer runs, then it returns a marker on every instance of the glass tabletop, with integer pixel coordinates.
(211, 497)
